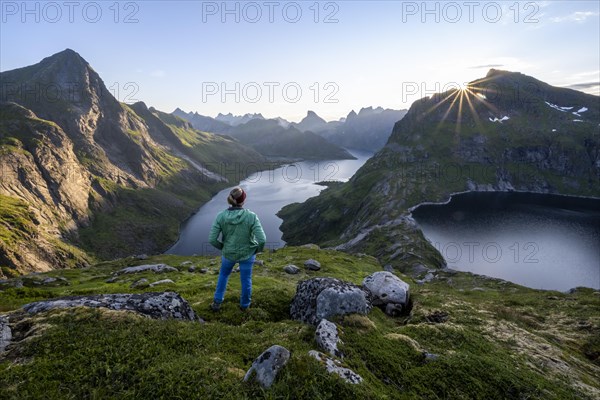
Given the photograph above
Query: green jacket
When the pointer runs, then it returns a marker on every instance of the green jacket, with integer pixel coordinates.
(243, 236)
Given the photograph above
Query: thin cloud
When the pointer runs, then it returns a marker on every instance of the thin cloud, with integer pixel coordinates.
(578, 16)
(584, 85)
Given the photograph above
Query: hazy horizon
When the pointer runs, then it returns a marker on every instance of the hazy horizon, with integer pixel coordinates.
(285, 58)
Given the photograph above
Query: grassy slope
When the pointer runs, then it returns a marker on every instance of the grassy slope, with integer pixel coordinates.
(501, 341)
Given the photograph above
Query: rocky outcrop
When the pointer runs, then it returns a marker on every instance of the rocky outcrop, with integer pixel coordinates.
(5, 333)
(158, 305)
(335, 367)
(389, 292)
(266, 367)
(327, 338)
(320, 298)
(156, 268)
(162, 282)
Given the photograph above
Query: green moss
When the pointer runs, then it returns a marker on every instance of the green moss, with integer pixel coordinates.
(109, 355)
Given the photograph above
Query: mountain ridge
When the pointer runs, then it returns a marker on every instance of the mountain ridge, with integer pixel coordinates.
(92, 171)
(521, 135)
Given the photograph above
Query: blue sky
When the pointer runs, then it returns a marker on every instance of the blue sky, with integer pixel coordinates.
(283, 58)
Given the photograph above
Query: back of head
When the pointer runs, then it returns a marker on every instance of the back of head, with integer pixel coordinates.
(236, 197)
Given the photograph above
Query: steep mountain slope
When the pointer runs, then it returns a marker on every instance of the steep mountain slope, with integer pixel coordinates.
(508, 131)
(91, 171)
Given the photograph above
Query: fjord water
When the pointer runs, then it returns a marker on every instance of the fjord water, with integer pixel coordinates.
(268, 191)
(537, 240)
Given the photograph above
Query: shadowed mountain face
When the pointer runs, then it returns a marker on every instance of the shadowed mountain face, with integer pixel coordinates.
(202, 122)
(274, 138)
(507, 131)
(271, 139)
(368, 130)
(78, 167)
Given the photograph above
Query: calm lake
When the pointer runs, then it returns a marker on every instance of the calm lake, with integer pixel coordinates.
(536, 240)
(268, 191)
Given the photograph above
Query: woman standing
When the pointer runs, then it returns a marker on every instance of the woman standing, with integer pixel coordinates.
(242, 237)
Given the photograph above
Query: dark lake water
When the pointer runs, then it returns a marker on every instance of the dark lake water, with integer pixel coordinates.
(536, 240)
(268, 192)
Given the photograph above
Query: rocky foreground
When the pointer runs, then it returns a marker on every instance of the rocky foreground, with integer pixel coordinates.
(322, 324)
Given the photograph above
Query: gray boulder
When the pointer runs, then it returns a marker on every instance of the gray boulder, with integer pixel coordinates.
(162, 282)
(335, 367)
(327, 338)
(158, 305)
(389, 292)
(192, 268)
(320, 298)
(5, 333)
(266, 367)
(428, 278)
(260, 263)
(156, 268)
(291, 269)
(312, 265)
(140, 283)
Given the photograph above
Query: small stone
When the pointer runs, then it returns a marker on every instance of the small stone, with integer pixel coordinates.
(291, 269)
(203, 270)
(437, 317)
(192, 268)
(5, 333)
(269, 260)
(312, 265)
(334, 367)
(140, 283)
(388, 268)
(186, 263)
(236, 269)
(429, 357)
(112, 279)
(266, 367)
(327, 337)
(162, 282)
(259, 263)
(141, 257)
(393, 309)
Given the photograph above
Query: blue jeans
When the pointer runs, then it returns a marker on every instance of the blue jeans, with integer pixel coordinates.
(245, 278)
